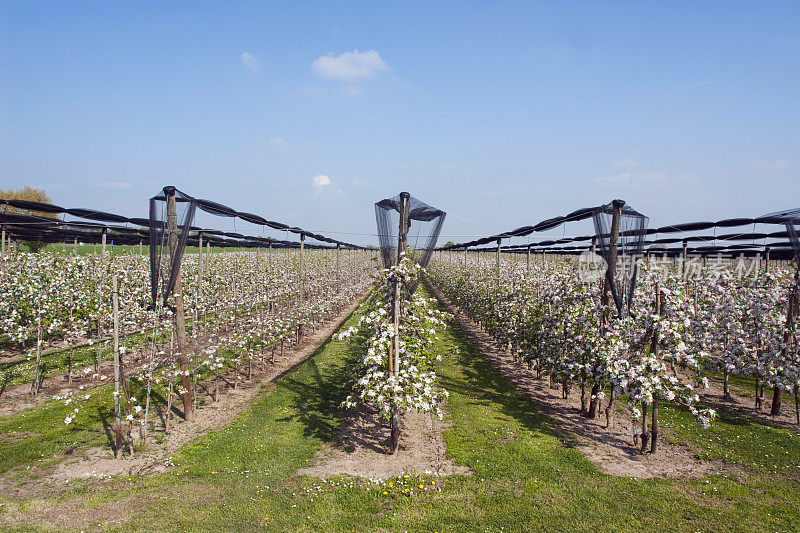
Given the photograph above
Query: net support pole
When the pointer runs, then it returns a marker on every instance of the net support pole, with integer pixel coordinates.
(179, 317)
(117, 410)
(103, 240)
(766, 259)
(612, 251)
(3, 242)
(338, 271)
(528, 258)
(401, 245)
(497, 262)
(683, 259)
(302, 279)
(75, 246)
(654, 349)
(465, 258)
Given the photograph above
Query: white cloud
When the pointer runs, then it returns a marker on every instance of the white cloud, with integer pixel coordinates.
(251, 61)
(115, 184)
(282, 145)
(634, 179)
(319, 182)
(764, 165)
(279, 144)
(350, 66)
(702, 83)
(623, 163)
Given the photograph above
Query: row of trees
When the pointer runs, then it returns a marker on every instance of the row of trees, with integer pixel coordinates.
(677, 330)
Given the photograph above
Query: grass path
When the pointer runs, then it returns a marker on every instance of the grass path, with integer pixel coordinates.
(525, 477)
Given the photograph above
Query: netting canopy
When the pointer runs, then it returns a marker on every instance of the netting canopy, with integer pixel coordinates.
(791, 219)
(171, 217)
(619, 235)
(424, 224)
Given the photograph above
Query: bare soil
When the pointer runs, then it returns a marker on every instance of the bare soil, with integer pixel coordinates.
(17, 398)
(362, 448)
(743, 406)
(611, 449)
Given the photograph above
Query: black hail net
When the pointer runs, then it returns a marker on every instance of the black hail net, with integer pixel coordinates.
(632, 231)
(791, 219)
(165, 267)
(425, 223)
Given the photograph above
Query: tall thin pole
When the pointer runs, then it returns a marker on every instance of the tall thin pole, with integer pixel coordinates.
(117, 410)
(612, 254)
(180, 318)
(3, 242)
(498, 261)
(103, 240)
(302, 278)
(395, 367)
(683, 259)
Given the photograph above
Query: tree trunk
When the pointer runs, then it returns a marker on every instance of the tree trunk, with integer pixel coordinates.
(610, 410)
(594, 400)
(645, 436)
(725, 391)
(654, 427)
(777, 400)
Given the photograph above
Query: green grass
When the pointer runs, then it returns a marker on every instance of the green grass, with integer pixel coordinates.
(39, 436)
(525, 476)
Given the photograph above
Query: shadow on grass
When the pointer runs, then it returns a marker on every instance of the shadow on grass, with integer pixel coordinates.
(320, 392)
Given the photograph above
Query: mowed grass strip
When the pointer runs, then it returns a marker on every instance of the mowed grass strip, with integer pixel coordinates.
(525, 476)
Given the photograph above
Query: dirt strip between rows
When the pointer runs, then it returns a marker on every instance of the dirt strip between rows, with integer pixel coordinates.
(611, 449)
(99, 462)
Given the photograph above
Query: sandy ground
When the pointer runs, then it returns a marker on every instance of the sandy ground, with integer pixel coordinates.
(611, 449)
(362, 448)
(100, 463)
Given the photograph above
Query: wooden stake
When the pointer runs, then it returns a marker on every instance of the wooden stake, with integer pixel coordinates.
(117, 410)
(654, 350)
(39, 341)
(71, 350)
(395, 368)
(180, 318)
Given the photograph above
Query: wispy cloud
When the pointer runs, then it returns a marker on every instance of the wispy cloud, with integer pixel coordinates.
(623, 163)
(115, 184)
(319, 182)
(279, 144)
(634, 179)
(350, 66)
(765, 165)
(250, 61)
(282, 145)
(702, 83)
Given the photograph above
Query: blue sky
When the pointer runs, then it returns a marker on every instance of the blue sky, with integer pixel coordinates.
(502, 113)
